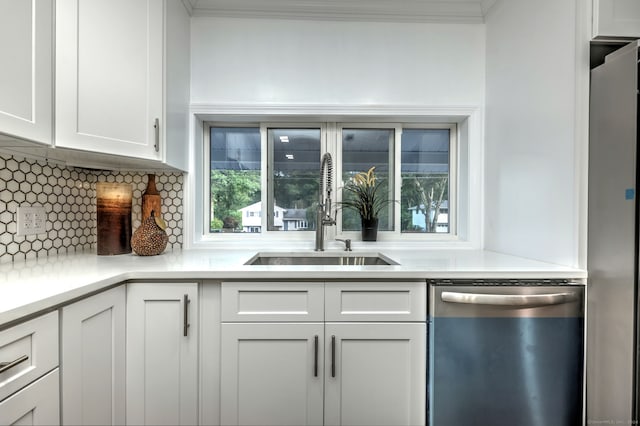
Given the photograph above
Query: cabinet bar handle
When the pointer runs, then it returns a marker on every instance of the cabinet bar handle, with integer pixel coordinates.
(186, 315)
(315, 356)
(4, 366)
(333, 356)
(156, 126)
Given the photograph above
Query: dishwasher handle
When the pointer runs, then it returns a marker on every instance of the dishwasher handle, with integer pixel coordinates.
(528, 300)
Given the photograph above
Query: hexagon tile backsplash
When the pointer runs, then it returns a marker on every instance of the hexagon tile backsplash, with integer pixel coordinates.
(68, 195)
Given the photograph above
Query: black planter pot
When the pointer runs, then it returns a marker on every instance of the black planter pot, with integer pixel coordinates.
(369, 229)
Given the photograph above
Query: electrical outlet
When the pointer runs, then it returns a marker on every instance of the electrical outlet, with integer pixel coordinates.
(31, 220)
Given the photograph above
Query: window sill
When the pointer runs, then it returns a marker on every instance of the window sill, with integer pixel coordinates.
(307, 242)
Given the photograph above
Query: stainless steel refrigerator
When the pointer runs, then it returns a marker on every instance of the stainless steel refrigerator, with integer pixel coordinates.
(612, 296)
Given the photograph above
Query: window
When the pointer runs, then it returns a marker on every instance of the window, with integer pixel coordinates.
(294, 160)
(256, 168)
(425, 159)
(361, 150)
(235, 164)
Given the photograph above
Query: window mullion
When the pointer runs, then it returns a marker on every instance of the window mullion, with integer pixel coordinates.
(453, 181)
(265, 180)
(337, 172)
(397, 181)
(206, 193)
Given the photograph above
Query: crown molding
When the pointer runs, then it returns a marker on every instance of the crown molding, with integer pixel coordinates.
(487, 5)
(347, 10)
(189, 5)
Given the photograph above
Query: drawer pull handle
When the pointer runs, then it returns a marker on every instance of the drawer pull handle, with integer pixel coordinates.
(186, 324)
(4, 366)
(315, 356)
(333, 356)
(156, 126)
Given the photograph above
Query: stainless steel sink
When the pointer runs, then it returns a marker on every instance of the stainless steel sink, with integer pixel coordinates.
(351, 259)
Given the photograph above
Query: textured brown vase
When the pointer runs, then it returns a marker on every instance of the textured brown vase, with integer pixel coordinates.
(149, 239)
(151, 199)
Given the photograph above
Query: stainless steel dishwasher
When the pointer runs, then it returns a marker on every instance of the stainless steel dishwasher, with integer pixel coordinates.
(505, 353)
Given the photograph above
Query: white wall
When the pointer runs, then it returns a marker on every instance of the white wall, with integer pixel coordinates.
(266, 61)
(341, 69)
(532, 148)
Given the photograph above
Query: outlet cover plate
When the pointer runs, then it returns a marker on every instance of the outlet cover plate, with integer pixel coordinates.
(31, 220)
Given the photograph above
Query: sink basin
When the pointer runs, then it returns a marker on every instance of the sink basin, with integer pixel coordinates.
(350, 259)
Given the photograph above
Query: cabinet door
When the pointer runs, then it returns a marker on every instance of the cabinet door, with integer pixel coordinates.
(37, 404)
(375, 374)
(109, 75)
(93, 360)
(271, 374)
(616, 18)
(162, 353)
(26, 29)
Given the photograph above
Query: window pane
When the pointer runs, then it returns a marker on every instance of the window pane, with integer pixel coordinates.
(295, 155)
(425, 180)
(235, 179)
(361, 150)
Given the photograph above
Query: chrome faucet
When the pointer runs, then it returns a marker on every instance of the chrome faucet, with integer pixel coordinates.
(324, 200)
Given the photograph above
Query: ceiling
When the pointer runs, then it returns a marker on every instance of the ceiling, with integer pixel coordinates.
(469, 11)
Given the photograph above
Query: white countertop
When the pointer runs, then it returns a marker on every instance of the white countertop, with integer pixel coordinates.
(38, 285)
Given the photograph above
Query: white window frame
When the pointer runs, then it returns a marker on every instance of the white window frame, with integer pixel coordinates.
(393, 154)
(395, 172)
(265, 234)
(268, 183)
(331, 141)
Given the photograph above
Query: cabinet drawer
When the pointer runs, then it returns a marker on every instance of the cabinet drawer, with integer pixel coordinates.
(266, 301)
(33, 347)
(37, 404)
(384, 301)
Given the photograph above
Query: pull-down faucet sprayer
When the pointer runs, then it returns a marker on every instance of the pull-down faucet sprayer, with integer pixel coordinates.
(324, 205)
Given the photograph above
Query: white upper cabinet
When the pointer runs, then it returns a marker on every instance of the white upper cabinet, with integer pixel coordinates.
(110, 81)
(616, 18)
(26, 32)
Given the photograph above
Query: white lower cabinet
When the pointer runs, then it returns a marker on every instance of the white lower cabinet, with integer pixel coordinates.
(37, 404)
(333, 373)
(131, 355)
(162, 354)
(93, 359)
(272, 374)
(289, 374)
(29, 383)
(375, 374)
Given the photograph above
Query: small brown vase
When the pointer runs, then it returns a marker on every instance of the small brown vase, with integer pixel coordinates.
(151, 199)
(150, 239)
(369, 229)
